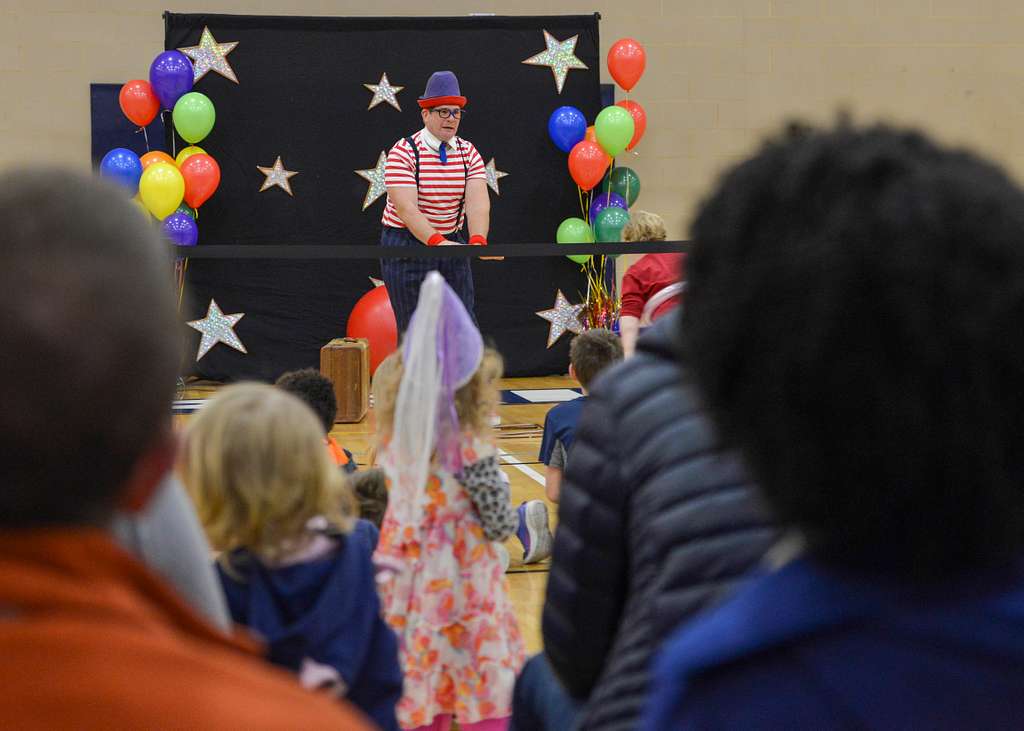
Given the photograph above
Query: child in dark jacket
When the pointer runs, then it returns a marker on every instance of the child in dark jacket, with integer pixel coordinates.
(296, 567)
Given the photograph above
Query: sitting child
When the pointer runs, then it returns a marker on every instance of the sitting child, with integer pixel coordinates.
(443, 586)
(295, 566)
(589, 354)
(370, 487)
(317, 391)
(653, 285)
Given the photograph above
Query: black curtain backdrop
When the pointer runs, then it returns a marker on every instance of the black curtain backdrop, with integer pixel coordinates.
(300, 95)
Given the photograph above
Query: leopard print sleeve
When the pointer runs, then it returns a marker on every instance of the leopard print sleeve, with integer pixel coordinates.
(491, 498)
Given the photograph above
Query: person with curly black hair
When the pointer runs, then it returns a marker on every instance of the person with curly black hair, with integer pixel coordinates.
(853, 321)
(317, 390)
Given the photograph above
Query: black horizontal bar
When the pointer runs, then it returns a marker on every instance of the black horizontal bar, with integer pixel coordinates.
(363, 251)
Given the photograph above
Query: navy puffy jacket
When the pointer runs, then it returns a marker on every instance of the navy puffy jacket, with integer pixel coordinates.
(655, 523)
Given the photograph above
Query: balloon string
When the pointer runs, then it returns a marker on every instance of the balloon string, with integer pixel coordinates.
(181, 281)
(611, 169)
(146, 136)
(174, 151)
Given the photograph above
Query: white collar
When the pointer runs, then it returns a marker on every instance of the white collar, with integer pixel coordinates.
(435, 144)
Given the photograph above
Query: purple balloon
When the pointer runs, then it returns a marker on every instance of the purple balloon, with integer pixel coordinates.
(170, 75)
(606, 200)
(181, 229)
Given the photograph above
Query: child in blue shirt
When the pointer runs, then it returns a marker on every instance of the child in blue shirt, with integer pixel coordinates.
(589, 354)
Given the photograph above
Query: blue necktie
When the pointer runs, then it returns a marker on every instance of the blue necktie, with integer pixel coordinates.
(443, 151)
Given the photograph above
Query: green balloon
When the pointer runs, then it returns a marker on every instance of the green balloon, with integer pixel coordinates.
(609, 223)
(194, 116)
(575, 231)
(625, 182)
(184, 208)
(614, 129)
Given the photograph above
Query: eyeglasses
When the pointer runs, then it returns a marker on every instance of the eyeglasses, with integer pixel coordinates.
(446, 113)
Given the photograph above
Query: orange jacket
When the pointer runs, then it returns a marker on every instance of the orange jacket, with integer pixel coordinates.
(89, 639)
(336, 451)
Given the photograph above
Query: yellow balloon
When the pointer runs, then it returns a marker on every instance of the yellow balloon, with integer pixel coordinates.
(161, 189)
(187, 153)
(142, 206)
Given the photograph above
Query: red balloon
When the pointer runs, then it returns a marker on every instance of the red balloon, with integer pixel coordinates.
(626, 62)
(374, 319)
(138, 102)
(587, 163)
(202, 176)
(639, 120)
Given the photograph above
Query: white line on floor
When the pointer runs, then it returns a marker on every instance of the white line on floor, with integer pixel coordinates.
(525, 469)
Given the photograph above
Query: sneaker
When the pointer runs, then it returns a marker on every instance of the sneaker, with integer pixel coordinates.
(503, 556)
(533, 532)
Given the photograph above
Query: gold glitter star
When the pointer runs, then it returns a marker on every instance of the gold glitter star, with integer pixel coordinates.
(560, 56)
(210, 56)
(375, 176)
(217, 327)
(564, 317)
(278, 176)
(493, 176)
(384, 92)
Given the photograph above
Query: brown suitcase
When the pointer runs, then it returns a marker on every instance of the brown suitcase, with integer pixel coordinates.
(346, 361)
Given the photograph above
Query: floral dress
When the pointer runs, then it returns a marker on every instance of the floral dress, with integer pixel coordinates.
(447, 600)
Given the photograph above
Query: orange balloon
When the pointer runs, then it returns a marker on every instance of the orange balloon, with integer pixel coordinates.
(627, 60)
(587, 163)
(155, 156)
(639, 120)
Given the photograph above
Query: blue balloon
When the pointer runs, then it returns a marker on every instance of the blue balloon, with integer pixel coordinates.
(604, 200)
(123, 167)
(567, 126)
(181, 229)
(170, 75)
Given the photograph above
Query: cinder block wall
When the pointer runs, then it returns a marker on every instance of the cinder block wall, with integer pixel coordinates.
(721, 73)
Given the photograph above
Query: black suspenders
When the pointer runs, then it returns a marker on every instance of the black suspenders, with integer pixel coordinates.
(465, 167)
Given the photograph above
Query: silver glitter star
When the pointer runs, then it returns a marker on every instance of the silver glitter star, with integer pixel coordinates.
(210, 56)
(493, 176)
(217, 327)
(560, 56)
(278, 176)
(376, 178)
(384, 92)
(563, 317)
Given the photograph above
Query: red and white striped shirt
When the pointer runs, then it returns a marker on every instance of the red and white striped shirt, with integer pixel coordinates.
(441, 186)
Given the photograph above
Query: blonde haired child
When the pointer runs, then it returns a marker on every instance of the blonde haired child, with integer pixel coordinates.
(295, 565)
(653, 285)
(445, 593)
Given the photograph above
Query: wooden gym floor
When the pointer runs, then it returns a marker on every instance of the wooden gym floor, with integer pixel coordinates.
(519, 441)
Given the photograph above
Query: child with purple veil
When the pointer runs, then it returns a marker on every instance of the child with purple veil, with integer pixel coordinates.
(443, 585)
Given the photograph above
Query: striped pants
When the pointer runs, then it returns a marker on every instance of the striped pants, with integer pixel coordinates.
(404, 276)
